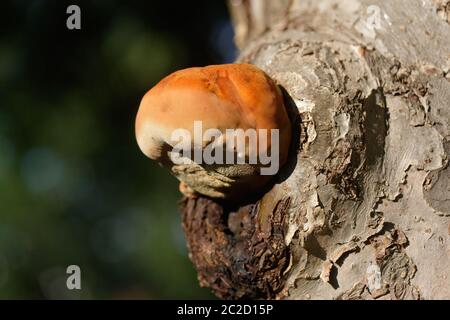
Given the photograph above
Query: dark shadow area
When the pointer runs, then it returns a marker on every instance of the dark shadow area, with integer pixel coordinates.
(313, 247)
(333, 277)
(294, 117)
(75, 187)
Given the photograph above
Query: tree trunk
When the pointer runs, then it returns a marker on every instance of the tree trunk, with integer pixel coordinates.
(362, 210)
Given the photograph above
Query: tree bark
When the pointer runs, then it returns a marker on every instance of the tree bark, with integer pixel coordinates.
(362, 210)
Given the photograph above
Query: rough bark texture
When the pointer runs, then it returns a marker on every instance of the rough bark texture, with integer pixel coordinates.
(362, 211)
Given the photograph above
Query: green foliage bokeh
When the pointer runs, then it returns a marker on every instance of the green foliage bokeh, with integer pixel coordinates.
(75, 189)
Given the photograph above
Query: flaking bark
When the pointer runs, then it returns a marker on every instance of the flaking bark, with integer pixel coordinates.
(362, 210)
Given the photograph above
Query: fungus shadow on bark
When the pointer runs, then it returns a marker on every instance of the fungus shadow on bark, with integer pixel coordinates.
(294, 117)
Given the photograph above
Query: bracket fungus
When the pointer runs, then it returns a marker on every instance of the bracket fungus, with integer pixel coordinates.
(222, 130)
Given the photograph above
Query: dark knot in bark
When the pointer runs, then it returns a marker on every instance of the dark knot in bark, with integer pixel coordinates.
(238, 253)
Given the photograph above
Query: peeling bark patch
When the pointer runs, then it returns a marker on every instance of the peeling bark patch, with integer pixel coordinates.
(393, 265)
(443, 9)
(416, 110)
(355, 293)
(373, 277)
(436, 190)
(239, 254)
(408, 146)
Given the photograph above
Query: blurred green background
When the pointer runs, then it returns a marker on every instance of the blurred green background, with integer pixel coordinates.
(75, 188)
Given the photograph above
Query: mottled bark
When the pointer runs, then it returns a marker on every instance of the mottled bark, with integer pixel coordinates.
(363, 207)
